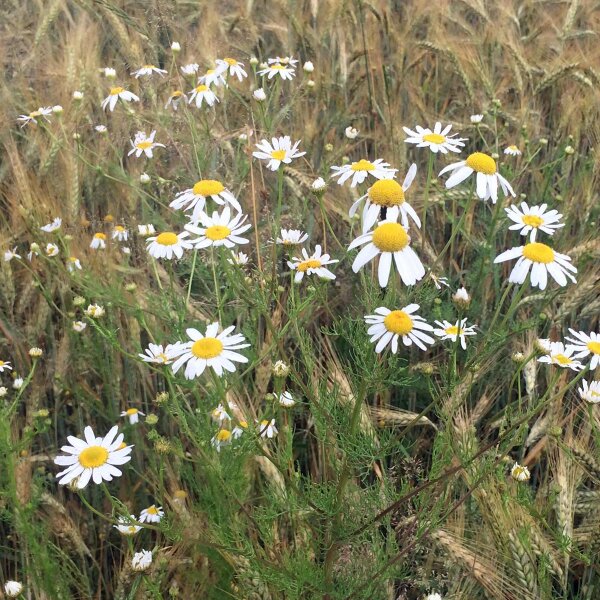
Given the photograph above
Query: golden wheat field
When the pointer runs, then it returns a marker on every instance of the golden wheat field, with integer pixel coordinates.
(299, 300)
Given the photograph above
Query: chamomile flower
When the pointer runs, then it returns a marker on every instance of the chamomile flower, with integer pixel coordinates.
(267, 429)
(50, 227)
(152, 514)
(210, 350)
(213, 77)
(94, 311)
(280, 150)
(5, 366)
(520, 472)
(313, 264)
(146, 230)
(530, 219)
(98, 241)
(487, 176)
(359, 171)
(390, 240)
(512, 151)
(143, 144)
(148, 70)
(231, 66)
(476, 119)
(79, 326)
(157, 354)
(141, 561)
(223, 437)
(389, 326)
(194, 198)
(174, 99)
(120, 233)
(277, 69)
(238, 258)
(453, 331)
(438, 281)
(33, 117)
(94, 458)
(437, 140)
(10, 254)
(133, 414)
(561, 356)
(585, 344)
(286, 400)
(388, 194)
(190, 69)
(51, 250)
(590, 392)
(126, 526)
(101, 128)
(543, 260)
(219, 414)
(291, 237)
(168, 244)
(219, 230)
(73, 264)
(283, 60)
(202, 93)
(116, 94)
(12, 588)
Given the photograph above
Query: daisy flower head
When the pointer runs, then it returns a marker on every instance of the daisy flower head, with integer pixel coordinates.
(194, 198)
(359, 171)
(190, 69)
(530, 219)
(213, 349)
(94, 311)
(286, 400)
(10, 254)
(561, 356)
(213, 77)
(219, 414)
(476, 119)
(487, 176)
(219, 230)
(291, 237)
(453, 331)
(238, 258)
(152, 514)
(146, 230)
(5, 366)
(389, 326)
(12, 588)
(283, 60)
(280, 150)
(98, 241)
(437, 140)
(157, 354)
(223, 437)
(174, 99)
(51, 250)
(520, 472)
(313, 264)
(94, 458)
(116, 94)
(148, 70)
(50, 227)
(590, 392)
(133, 414)
(391, 241)
(126, 525)
(73, 264)
(168, 244)
(512, 151)
(202, 93)
(267, 429)
(585, 344)
(120, 233)
(232, 67)
(79, 326)
(141, 561)
(143, 144)
(542, 260)
(388, 194)
(33, 117)
(286, 72)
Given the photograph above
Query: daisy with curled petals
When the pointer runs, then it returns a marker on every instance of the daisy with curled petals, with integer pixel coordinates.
(32, 117)
(143, 144)
(391, 325)
(210, 350)
(585, 344)
(133, 414)
(190, 69)
(127, 526)
(267, 429)
(195, 197)
(231, 66)
(10, 254)
(280, 150)
(530, 219)
(174, 99)
(148, 70)
(223, 437)
(512, 151)
(291, 237)
(543, 260)
(360, 169)
(73, 264)
(388, 194)
(219, 230)
(157, 354)
(390, 240)
(561, 356)
(213, 77)
(5, 366)
(168, 244)
(275, 69)
(437, 140)
(202, 93)
(115, 94)
(590, 392)
(487, 178)
(452, 332)
(152, 514)
(52, 226)
(314, 264)
(98, 241)
(94, 458)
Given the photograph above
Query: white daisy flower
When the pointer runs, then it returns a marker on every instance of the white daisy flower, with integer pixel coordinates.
(238, 258)
(520, 472)
(109, 72)
(10, 254)
(318, 185)
(141, 561)
(32, 117)
(388, 326)
(286, 400)
(438, 281)
(194, 198)
(51, 250)
(79, 326)
(275, 69)
(148, 70)
(98, 241)
(168, 244)
(561, 356)
(133, 414)
(391, 241)
(157, 354)
(190, 69)
(585, 344)
(115, 94)
(239, 429)
(146, 230)
(476, 118)
(232, 66)
(52, 226)
(5, 366)
(267, 428)
(388, 194)
(94, 311)
(280, 150)
(291, 237)
(219, 230)
(487, 177)
(210, 350)
(12, 588)
(512, 151)
(223, 437)
(143, 144)
(101, 128)
(152, 514)
(18, 383)
(219, 414)
(313, 264)
(259, 95)
(174, 99)
(590, 392)
(437, 140)
(202, 93)
(73, 264)
(308, 67)
(120, 233)
(530, 219)
(126, 526)
(283, 60)
(94, 458)
(452, 332)
(351, 132)
(543, 260)
(361, 169)
(213, 77)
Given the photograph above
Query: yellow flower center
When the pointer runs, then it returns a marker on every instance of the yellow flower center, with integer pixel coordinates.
(312, 263)
(453, 330)
(264, 423)
(513, 148)
(518, 471)
(276, 67)
(539, 253)
(2, 363)
(93, 456)
(594, 347)
(390, 237)
(207, 187)
(148, 67)
(210, 72)
(176, 94)
(398, 322)
(217, 232)
(386, 192)
(202, 88)
(362, 165)
(244, 424)
(434, 138)
(230, 61)
(144, 145)
(533, 220)
(35, 113)
(278, 154)
(152, 510)
(132, 411)
(167, 238)
(207, 348)
(162, 357)
(100, 236)
(116, 91)
(224, 435)
(561, 359)
(119, 228)
(482, 163)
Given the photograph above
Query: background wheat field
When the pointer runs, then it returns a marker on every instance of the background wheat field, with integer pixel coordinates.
(391, 477)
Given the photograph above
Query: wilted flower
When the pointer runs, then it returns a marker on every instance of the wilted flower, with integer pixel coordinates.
(141, 561)
(520, 472)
